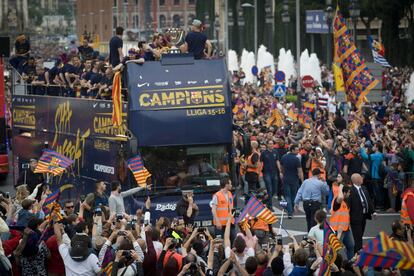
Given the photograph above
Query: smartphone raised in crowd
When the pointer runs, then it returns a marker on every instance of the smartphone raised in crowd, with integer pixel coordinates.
(279, 240)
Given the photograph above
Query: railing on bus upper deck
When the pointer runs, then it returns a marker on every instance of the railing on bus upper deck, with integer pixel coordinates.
(22, 87)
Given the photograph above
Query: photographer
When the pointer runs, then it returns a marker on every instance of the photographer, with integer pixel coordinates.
(29, 177)
(87, 264)
(169, 262)
(187, 208)
(127, 262)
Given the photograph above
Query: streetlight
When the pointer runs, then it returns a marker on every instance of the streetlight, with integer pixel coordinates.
(329, 17)
(354, 12)
(248, 5)
(286, 20)
(217, 28)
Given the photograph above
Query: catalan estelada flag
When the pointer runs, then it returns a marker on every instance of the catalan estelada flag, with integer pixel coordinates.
(384, 252)
(331, 246)
(357, 77)
(141, 174)
(52, 162)
(117, 99)
(255, 209)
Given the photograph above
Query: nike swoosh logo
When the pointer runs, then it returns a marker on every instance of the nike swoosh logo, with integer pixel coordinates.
(94, 105)
(142, 84)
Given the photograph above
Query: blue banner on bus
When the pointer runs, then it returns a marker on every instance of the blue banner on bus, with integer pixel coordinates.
(80, 129)
(184, 104)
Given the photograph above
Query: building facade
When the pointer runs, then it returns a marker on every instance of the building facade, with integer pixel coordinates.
(140, 18)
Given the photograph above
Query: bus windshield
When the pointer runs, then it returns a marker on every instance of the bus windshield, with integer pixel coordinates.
(178, 168)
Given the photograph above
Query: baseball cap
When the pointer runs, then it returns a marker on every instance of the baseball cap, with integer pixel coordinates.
(196, 23)
(79, 250)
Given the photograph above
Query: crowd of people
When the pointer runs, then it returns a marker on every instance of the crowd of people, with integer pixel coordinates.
(84, 72)
(326, 163)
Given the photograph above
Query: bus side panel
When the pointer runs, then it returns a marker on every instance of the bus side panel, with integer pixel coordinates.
(79, 129)
(165, 206)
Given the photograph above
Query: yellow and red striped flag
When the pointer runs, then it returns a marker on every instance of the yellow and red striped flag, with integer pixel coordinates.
(141, 174)
(117, 100)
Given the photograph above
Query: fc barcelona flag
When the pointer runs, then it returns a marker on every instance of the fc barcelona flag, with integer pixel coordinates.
(141, 174)
(387, 253)
(256, 209)
(357, 77)
(331, 246)
(52, 162)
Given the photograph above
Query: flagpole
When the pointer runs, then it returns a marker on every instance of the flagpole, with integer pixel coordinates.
(281, 221)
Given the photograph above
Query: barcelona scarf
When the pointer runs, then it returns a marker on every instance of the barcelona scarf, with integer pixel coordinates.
(52, 162)
(116, 100)
(331, 246)
(136, 165)
(256, 209)
(357, 77)
(387, 253)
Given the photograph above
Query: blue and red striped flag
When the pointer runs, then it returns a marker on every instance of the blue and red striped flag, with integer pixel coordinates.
(107, 262)
(54, 197)
(52, 162)
(256, 209)
(331, 246)
(387, 253)
(141, 174)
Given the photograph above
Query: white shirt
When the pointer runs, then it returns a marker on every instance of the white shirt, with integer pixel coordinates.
(241, 259)
(317, 233)
(88, 267)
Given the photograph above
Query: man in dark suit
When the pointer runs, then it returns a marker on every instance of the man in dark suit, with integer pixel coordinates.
(361, 208)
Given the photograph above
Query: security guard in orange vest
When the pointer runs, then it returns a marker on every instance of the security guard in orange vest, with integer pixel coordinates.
(340, 219)
(222, 206)
(407, 205)
(253, 167)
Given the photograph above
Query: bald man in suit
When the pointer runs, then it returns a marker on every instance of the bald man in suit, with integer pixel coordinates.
(361, 208)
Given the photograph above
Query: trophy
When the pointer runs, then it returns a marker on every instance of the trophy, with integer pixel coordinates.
(175, 37)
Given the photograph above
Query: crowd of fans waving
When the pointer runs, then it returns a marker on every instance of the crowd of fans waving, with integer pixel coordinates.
(276, 156)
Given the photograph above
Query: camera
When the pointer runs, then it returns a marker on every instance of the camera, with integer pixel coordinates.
(201, 230)
(283, 204)
(98, 211)
(127, 254)
(119, 217)
(192, 270)
(7, 195)
(25, 166)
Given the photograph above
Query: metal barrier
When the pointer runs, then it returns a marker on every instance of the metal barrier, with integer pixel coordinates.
(21, 87)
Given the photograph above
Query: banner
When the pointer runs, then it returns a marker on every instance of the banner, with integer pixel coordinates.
(79, 129)
(185, 104)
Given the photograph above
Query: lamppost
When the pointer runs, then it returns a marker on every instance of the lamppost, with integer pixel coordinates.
(354, 12)
(217, 29)
(286, 21)
(329, 17)
(248, 5)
